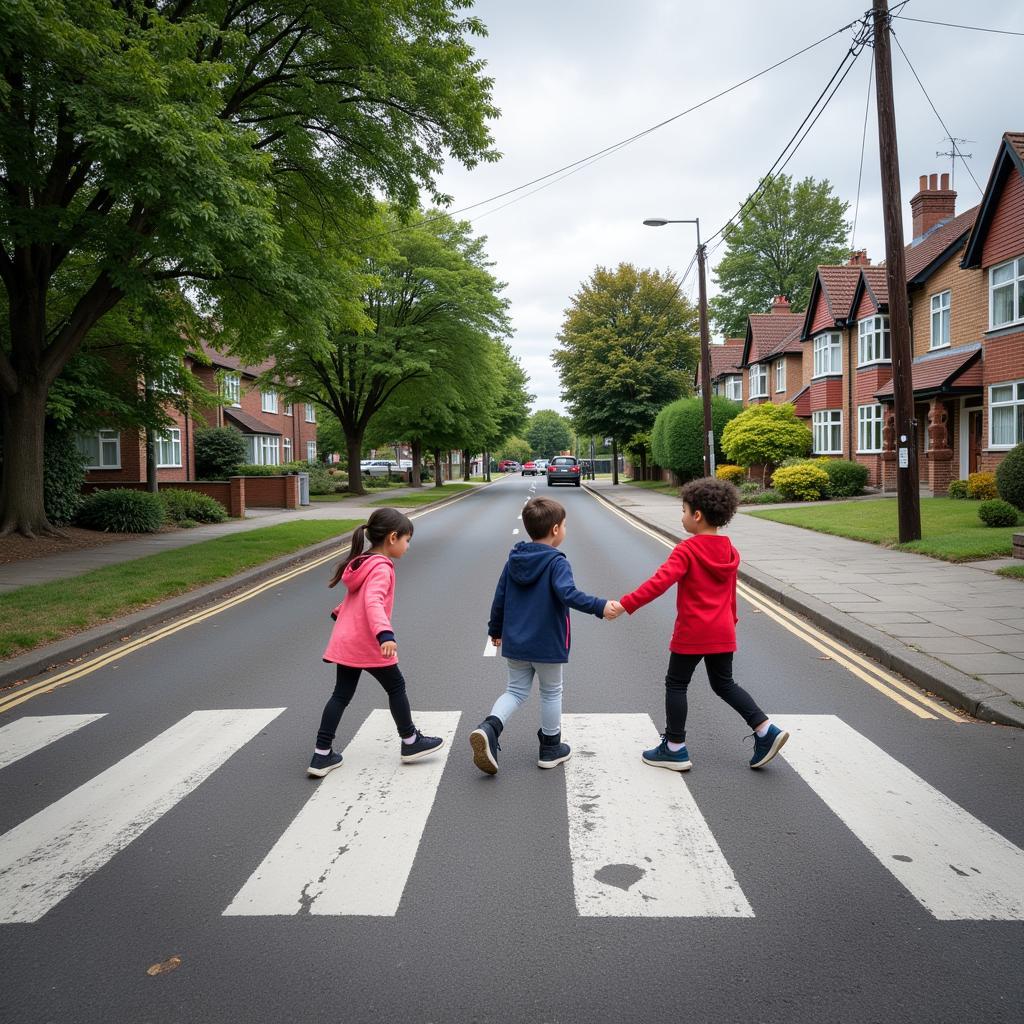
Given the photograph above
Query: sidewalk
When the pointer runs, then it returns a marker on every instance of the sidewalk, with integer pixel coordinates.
(957, 630)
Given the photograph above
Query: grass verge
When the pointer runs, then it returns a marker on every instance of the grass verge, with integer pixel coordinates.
(656, 485)
(429, 494)
(1013, 572)
(950, 530)
(39, 614)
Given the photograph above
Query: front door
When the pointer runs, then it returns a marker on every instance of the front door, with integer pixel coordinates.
(974, 441)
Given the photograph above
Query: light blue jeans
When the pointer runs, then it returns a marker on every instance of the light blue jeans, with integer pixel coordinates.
(520, 681)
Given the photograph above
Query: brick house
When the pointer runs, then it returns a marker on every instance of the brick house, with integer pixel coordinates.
(274, 431)
(726, 375)
(772, 355)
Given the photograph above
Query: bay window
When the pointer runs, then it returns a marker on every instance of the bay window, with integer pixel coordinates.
(869, 428)
(873, 340)
(1006, 293)
(828, 354)
(758, 378)
(734, 388)
(827, 429)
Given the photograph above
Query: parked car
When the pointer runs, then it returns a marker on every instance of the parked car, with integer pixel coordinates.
(529, 469)
(542, 465)
(508, 466)
(564, 469)
(380, 467)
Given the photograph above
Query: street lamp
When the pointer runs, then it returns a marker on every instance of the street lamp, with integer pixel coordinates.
(705, 343)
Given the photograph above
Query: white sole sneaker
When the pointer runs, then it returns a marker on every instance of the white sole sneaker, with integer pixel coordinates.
(553, 764)
(482, 756)
(672, 766)
(409, 758)
(780, 742)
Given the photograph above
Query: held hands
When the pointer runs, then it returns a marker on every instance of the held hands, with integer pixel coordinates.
(496, 640)
(388, 649)
(612, 610)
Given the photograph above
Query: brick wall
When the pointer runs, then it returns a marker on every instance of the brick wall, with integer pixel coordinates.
(968, 311)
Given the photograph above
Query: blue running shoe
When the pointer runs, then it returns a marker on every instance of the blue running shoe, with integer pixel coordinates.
(768, 745)
(661, 757)
(323, 764)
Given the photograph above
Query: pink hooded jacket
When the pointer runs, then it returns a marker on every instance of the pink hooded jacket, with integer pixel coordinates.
(365, 612)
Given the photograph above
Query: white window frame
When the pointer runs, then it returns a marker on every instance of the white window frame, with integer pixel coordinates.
(287, 409)
(757, 376)
(873, 341)
(780, 376)
(269, 449)
(1016, 285)
(941, 307)
(1014, 404)
(104, 439)
(286, 450)
(231, 388)
(828, 354)
(310, 413)
(268, 401)
(311, 452)
(168, 449)
(826, 427)
(870, 419)
(734, 387)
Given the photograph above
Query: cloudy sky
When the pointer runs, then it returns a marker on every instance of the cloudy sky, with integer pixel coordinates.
(574, 76)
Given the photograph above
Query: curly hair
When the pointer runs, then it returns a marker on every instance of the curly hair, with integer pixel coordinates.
(716, 500)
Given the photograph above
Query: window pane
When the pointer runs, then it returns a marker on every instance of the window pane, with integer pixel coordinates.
(1002, 305)
(1002, 393)
(1000, 275)
(89, 446)
(1002, 425)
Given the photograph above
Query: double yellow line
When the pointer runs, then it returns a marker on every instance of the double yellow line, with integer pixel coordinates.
(902, 693)
(24, 693)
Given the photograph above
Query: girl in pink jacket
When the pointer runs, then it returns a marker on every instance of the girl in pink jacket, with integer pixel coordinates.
(363, 638)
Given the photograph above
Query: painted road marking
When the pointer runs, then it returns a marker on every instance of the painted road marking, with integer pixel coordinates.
(27, 735)
(515, 532)
(45, 858)
(954, 865)
(490, 651)
(639, 845)
(351, 848)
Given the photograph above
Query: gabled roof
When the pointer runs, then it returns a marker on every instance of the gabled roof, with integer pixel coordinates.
(1009, 158)
(802, 402)
(874, 281)
(934, 248)
(768, 334)
(943, 373)
(835, 285)
(724, 359)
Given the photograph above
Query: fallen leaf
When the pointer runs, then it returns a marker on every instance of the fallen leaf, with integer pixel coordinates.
(169, 964)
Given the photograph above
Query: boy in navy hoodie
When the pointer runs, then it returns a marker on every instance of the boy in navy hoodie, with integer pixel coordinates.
(530, 623)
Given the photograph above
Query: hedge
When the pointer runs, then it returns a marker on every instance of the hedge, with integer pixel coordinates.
(183, 507)
(219, 452)
(801, 483)
(845, 479)
(677, 438)
(122, 511)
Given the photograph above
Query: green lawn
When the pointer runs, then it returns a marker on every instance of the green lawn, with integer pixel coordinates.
(1014, 572)
(950, 530)
(429, 494)
(30, 616)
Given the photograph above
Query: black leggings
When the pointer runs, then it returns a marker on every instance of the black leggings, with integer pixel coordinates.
(344, 689)
(719, 668)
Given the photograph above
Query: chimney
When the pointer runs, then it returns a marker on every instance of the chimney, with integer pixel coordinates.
(859, 258)
(780, 304)
(934, 203)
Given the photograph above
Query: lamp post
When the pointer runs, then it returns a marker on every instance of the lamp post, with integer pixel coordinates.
(705, 342)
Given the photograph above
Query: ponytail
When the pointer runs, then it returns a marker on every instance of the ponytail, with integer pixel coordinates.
(382, 523)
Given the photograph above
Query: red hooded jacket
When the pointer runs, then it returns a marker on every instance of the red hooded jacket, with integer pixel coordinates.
(704, 566)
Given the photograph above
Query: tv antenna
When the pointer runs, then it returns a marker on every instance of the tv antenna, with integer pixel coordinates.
(953, 154)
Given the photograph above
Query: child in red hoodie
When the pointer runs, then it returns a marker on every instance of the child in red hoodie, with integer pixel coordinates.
(704, 567)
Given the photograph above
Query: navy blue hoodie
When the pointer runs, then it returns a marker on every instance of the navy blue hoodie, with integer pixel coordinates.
(530, 611)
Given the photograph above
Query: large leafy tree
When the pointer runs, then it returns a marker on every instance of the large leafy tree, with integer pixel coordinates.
(628, 346)
(773, 250)
(154, 149)
(548, 433)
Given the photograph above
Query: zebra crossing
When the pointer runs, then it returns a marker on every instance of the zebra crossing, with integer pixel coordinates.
(636, 838)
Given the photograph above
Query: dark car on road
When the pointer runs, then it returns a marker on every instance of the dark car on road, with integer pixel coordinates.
(564, 469)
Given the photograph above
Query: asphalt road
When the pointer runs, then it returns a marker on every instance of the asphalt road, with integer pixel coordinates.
(803, 917)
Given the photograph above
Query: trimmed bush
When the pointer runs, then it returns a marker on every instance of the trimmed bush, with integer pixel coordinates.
(957, 490)
(63, 475)
(219, 452)
(1010, 476)
(749, 487)
(801, 483)
(677, 437)
(845, 479)
(766, 435)
(768, 497)
(734, 474)
(997, 513)
(982, 486)
(799, 460)
(122, 511)
(192, 507)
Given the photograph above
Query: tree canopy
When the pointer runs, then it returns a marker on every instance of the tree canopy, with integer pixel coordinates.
(548, 434)
(774, 249)
(765, 435)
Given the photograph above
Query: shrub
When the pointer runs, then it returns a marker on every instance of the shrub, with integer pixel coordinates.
(122, 511)
(320, 480)
(957, 489)
(801, 483)
(997, 513)
(765, 435)
(63, 475)
(750, 487)
(799, 460)
(1010, 476)
(845, 479)
(677, 438)
(768, 497)
(734, 474)
(191, 507)
(219, 452)
(982, 486)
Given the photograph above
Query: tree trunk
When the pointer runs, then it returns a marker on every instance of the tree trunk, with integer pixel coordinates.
(615, 462)
(354, 450)
(416, 449)
(465, 466)
(487, 467)
(151, 479)
(21, 493)
(438, 482)
(643, 463)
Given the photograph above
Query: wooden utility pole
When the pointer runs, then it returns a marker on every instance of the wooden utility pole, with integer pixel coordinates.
(908, 497)
(705, 362)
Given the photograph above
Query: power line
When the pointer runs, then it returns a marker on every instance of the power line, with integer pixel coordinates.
(949, 134)
(950, 24)
(863, 140)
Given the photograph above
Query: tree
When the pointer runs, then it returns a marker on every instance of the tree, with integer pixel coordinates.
(628, 346)
(150, 151)
(548, 433)
(765, 435)
(677, 438)
(775, 248)
(515, 448)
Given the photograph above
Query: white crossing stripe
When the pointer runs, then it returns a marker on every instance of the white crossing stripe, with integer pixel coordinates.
(490, 651)
(954, 865)
(45, 858)
(639, 845)
(351, 848)
(515, 532)
(27, 735)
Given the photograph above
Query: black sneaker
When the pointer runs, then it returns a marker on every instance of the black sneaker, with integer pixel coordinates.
(767, 746)
(484, 741)
(552, 750)
(421, 747)
(323, 763)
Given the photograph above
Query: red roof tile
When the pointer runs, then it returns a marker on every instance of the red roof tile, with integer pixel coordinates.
(232, 362)
(837, 286)
(724, 359)
(931, 373)
(878, 282)
(930, 246)
(768, 332)
(1016, 139)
